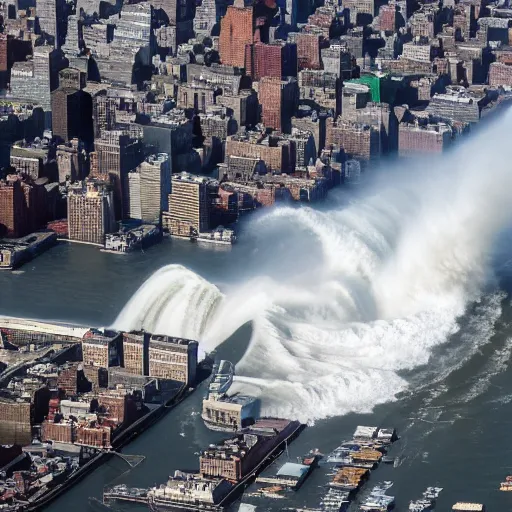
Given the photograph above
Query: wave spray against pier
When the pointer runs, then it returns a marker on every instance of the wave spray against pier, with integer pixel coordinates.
(343, 298)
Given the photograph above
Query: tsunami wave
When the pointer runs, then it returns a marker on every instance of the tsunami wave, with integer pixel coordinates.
(343, 299)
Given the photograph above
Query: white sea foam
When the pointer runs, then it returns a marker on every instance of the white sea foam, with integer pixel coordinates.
(369, 289)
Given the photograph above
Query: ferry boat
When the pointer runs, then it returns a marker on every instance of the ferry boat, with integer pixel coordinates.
(219, 236)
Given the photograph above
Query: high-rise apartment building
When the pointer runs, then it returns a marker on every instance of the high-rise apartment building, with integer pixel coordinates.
(189, 206)
(101, 351)
(104, 113)
(72, 114)
(149, 186)
(308, 50)
(176, 10)
(13, 218)
(279, 101)
(275, 60)
(135, 352)
(236, 31)
(118, 154)
(50, 14)
(173, 358)
(90, 211)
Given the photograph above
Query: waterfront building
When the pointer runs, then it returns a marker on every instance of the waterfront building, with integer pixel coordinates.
(118, 154)
(189, 206)
(90, 211)
(173, 358)
(102, 351)
(149, 186)
(135, 352)
(15, 427)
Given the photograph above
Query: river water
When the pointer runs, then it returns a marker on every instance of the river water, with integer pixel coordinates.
(384, 308)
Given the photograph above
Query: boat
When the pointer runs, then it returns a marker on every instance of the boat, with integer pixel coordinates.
(378, 500)
(220, 236)
(124, 493)
(507, 484)
(388, 460)
(428, 501)
(221, 379)
(335, 500)
(432, 493)
(421, 505)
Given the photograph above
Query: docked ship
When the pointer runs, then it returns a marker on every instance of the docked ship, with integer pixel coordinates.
(335, 500)
(124, 493)
(227, 413)
(188, 492)
(219, 236)
(378, 500)
(428, 502)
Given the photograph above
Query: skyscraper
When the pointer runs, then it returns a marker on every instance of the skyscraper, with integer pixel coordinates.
(149, 186)
(236, 31)
(13, 219)
(104, 113)
(72, 114)
(118, 154)
(189, 207)
(50, 14)
(176, 10)
(90, 211)
(279, 101)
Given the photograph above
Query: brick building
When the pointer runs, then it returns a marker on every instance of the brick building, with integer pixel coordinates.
(276, 60)
(236, 31)
(15, 427)
(358, 140)
(176, 10)
(360, 11)
(173, 358)
(118, 153)
(279, 100)
(101, 351)
(415, 139)
(308, 50)
(275, 152)
(104, 113)
(135, 353)
(500, 74)
(197, 95)
(388, 17)
(14, 214)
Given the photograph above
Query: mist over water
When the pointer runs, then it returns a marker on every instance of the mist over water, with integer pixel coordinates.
(342, 299)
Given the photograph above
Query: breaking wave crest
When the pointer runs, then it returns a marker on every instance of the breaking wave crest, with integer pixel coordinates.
(342, 299)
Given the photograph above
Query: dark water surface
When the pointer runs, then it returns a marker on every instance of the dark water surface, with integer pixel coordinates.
(455, 429)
